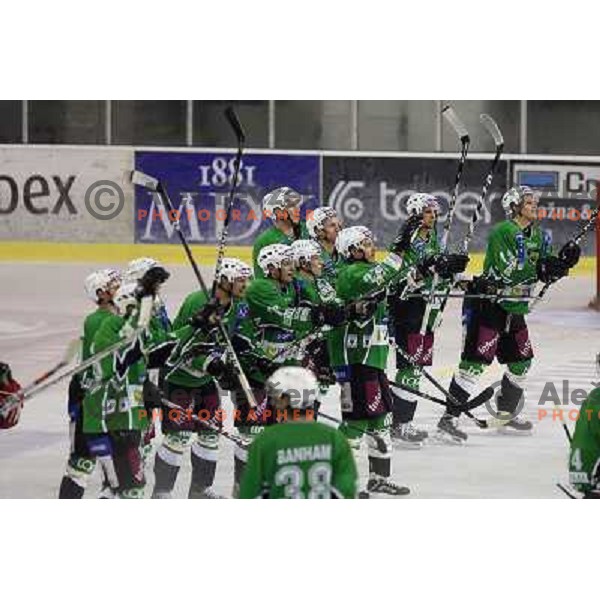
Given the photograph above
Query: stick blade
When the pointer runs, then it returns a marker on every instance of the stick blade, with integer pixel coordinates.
(492, 128)
(143, 180)
(231, 116)
(450, 115)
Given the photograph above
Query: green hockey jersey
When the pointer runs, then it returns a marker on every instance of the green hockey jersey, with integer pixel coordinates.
(273, 236)
(91, 325)
(300, 459)
(584, 459)
(114, 401)
(364, 342)
(511, 260)
(276, 314)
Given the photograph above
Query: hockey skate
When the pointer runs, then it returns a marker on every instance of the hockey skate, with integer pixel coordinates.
(406, 435)
(515, 426)
(210, 494)
(449, 432)
(384, 486)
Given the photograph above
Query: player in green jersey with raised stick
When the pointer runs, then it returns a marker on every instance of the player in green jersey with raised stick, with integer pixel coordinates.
(518, 255)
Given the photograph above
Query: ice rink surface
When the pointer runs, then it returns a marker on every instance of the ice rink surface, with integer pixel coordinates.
(42, 307)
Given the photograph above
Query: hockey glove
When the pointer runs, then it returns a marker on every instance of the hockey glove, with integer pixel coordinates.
(404, 238)
(10, 405)
(207, 317)
(482, 286)
(445, 265)
(153, 278)
(328, 314)
(551, 269)
(570, 254)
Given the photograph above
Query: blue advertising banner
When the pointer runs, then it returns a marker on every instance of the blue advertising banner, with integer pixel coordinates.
(198, 184)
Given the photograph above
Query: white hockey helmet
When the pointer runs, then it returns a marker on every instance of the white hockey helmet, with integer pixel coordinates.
(317, 219)
(417, 203)
(298, 384)
(273, 256)
(101, 281)
(125, 297)
(138, 267)
(233, 268)
(304, 250)
(279, 200)
(514, 197)
(352, 238)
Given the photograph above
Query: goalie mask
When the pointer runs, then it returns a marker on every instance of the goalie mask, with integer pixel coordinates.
(281, 203)
(352, 238)
(297, 386)
(274, 256)
(514, 198)
(417, 203)
(105, 280)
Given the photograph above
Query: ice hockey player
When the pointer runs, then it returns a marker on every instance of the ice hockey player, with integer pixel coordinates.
(584, 459)
(160, 327)
(276, 304)
(298, 458)
(9, 389)
(282, 206)
(323, 226)
(518, 255)
(192, 385)
(113, 405)
(359, 352)
(100, 287)
(417, 244)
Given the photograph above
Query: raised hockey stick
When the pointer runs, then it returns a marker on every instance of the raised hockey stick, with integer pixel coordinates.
(577, 239)
(162, 197)
(493, 129)
(463, 136)
(241, 139)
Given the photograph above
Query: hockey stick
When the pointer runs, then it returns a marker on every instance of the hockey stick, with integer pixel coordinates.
(45, 382)
(463, 135)
(162, 197)
(494, 131)
(82, 366)
(241, 138)
(562, 488)
(492, 128)
(475, 402)
(577, 239)
(475, 296)
(236, 439)
(452, 401)
(68, 356)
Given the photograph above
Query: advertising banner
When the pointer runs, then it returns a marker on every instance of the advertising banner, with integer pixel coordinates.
(198, 184)
(66, 194)
(567, 196)
(372, 191)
